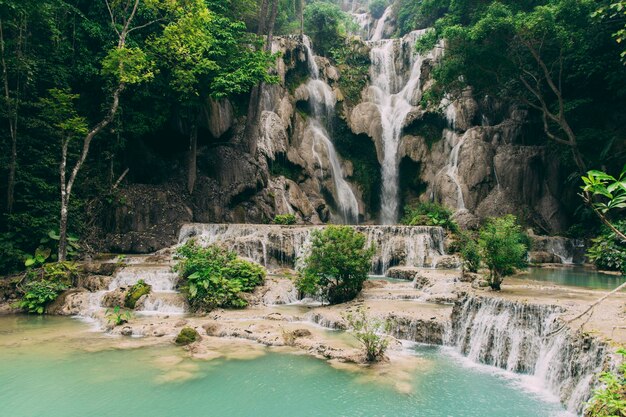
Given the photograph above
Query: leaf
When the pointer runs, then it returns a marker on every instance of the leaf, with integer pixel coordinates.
(53, 235)
(29, 262)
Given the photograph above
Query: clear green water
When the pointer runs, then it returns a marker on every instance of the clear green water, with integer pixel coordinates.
(52, 367)
(577, 277)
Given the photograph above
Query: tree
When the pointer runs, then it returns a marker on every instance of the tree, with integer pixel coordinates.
(126, 66)
(550, 56)
(337, 265)
(605, 195)
(326, 24)
(616, 12)
(369, 332)
(503, 248)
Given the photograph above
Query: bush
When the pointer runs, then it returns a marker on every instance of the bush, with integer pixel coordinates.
(39, 294)
(135, 293)
(503, 248)
(470, 252)
(116, 316)
(610, 400)
(368, 332)
(429, 214)
(215, 277)
(607, 251)
(285, 219)
(337, 265)
(186, 336)
(377, 8)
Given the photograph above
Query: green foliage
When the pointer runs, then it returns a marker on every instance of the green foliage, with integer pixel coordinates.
(470, 252)
(337, 265)
(615, 12)
(429, 214)
(186, 336)
(285, 219)
(326, 24)
(353, 63)
(607, 251)
(215, 277)
(48, 249)
(117, 316)
(609, 192)
(610, 399)
(368, 331)
(135, 292)
(128, 65)
(38, 294)
(503, 248)
(377, 8)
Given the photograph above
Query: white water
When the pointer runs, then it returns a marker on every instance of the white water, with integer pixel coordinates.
(380, 25)
(283, 245)
(322, 101)
(163, 299)
(454, 141)
(512, 336)
(363, 22)
(395, 97)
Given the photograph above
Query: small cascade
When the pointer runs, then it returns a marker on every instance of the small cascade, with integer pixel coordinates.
(163, 299)
(275, 245)
(379, 30)
(512, 336)
(322, 101)
(395, 97)
(362, 20)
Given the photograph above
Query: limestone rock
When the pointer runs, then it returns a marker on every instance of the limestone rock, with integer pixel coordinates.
(403, 272)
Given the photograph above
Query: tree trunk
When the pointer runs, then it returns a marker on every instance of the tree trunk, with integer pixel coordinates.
(62, 255)
(12, 118)
(192, 158)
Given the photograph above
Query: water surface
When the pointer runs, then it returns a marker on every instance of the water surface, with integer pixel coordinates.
(55, 367)
(574, 276)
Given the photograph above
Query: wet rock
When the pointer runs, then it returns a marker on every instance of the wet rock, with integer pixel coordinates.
(99, 268)
(403, 272)
(126, 331)
(115, 298)
(543, 258)
(187, 336)
(448, 262)
(95, 283)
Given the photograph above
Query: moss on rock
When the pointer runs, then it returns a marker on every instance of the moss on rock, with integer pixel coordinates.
(186, 336)
(135, 293)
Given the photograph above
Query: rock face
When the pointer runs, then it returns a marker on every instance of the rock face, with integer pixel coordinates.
(472, 156)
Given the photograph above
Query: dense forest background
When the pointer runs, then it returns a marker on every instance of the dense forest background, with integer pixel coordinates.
(142, 73)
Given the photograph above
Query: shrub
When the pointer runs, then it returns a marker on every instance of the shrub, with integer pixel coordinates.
(368, 331)
(429, 214)
(503, 248)
(186, 336)
(610, 400)
(377, 8)
(116, 316)
(337, 265)
(38, 294)
(607, 251)
(215, 277)
(285, 219)
(135, 293)
(470, 252)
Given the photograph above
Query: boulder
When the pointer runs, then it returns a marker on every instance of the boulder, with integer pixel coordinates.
(115, 298)
(403, 272)
(94, 283)
(448, 262)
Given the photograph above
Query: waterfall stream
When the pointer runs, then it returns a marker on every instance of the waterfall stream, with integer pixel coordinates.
(322, 101)
(394, 97)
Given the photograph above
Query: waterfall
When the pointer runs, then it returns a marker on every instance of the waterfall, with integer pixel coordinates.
(380, 25)
(452, 169)
(394, 98)
(363, 22)
(512, 335)
(322, 101)
(283, 245)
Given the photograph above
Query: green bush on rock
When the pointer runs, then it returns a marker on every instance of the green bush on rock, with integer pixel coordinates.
(429, 214)
(187, 336)
(337, 265)
(377, 8)
(214, 277)
(38, 294)
(285, 219)
(368, 331)
(607, 251)
(135, 293)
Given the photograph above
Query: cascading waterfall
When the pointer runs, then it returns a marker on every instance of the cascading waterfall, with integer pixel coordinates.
(283, 245)
(395, 97)
(455, 142)
(513, 336)
(380, 25)
(322, 101)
